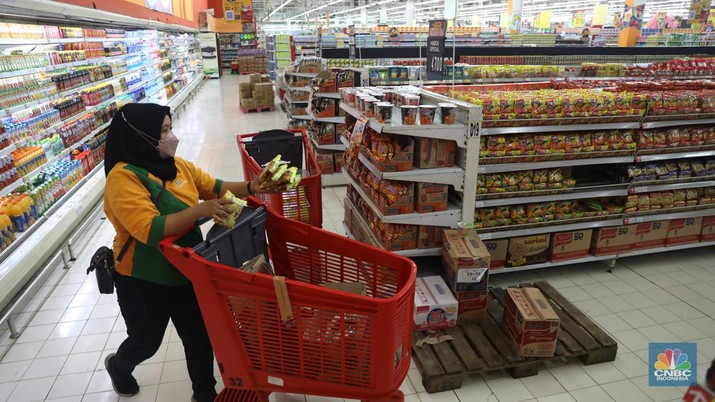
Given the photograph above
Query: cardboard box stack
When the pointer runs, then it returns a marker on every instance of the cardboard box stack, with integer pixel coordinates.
(257, 93)
(466, 262)
(531, 322)
(257, 64)
(435, 306)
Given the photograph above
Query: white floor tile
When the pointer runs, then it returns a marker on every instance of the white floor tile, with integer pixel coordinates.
(625, 391)
(475, 389)
(70, 385)
(57, 347)
(81, 363)
(658, 394)
(148, 374)
(636, 319)
(659, 314)
(22, 351)
(114, 339)
(90, 343)
(448, 396)
(77, 314)
(683, 310)
(35, 333)
(57, 303)
(684, 331)
(572, 377)
(603, 373)
(508, 389)
(175, 371)
(46, 367)
(591, 394)
(100, 382)
(47, 317)
(175, 351)
(631, 339)
(149, 394)
(108, 396)
(32, 389)
(416, 379)
(174, 391)
(13, 371)
(565, 397)
(543, 384)
(68, 329)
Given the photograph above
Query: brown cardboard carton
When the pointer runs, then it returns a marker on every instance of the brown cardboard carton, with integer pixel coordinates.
(248, 103)
(570, 245)
(265, 78)
(258, 264)
(466, 261)
(650, 235)
(613, 240)
(708, 232)
(263, 87)
(432, 153)
(435, 306)
(429, 237)
(528, 250)
(431, 197)
(531, 323)
(684, 231)
(401, 161)
(350, 287)
(254, 78)
(472, 306)
(497, 252)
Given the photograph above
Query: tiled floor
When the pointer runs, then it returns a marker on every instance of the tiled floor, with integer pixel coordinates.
(646, 299)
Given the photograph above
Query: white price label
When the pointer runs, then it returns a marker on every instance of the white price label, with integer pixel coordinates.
(485, 236)
(470, 275)
(479, 204)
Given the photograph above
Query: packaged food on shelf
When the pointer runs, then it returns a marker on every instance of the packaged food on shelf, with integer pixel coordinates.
(339, 161)
(325, 161)
(389, 153)
(650, 235)
(528, 250)
(684, 231)
(435, 306)
(613, 240)
(429, 237)
(531, 322)
(570, 245)
(708, 230)
(497, 252)
(431, 197)
(434, 153)
(466, 261)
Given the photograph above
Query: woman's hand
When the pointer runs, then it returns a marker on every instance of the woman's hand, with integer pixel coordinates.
(264, 183)
(214, 209)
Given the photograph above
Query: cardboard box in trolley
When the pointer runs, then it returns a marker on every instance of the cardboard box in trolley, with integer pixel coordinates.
(570, 245)
(650, 235)
(708, 232)
(435, 306)
(497, 252)
(531, 322)
(466, 261)
(684, 231)
(614, 240)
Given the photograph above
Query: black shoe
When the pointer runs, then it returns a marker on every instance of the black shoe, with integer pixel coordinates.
(207, 399)
(123, 384)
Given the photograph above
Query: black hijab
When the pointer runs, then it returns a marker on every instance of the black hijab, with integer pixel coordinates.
(124, 144)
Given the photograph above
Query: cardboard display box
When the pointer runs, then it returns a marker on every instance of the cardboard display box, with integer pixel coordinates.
(400, 162)
(403, 205)
(472, 306)
(497, 252)
(570, 245)
(429, 237)
(466, 261)
(650, 235)
(684, 231)
(435, 306)
(325, 161)
(431, 197)
(432, 153)
(397, 237)
(614, 240)
(531, 322)
(708, 232)
(528, 250)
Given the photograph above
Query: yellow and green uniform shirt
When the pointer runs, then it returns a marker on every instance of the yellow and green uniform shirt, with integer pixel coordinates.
(130, 196)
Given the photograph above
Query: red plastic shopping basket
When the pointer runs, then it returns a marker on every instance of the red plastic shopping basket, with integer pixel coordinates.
(340, 344)
(305, 203)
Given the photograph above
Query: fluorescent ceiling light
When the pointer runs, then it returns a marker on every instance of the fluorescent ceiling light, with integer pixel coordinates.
(316, 9)
(285, 3)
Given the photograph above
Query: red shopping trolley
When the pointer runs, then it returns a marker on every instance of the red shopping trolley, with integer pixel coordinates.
(305, 203)
(337, 344)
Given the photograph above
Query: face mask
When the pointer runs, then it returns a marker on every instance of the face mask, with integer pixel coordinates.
(167, 146)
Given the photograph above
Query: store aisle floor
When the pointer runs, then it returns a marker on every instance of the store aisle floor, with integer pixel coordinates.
(659, 298)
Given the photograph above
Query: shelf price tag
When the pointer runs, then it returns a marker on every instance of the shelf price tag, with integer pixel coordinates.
(485, 236)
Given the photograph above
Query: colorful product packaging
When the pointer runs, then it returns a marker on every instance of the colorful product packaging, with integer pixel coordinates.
(435, 306)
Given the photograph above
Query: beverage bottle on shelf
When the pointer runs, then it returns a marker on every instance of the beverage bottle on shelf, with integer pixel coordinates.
(15, 212)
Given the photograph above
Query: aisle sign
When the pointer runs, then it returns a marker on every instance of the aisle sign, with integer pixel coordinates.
(579, 19)
(600, 15)
(232, 9)
(632, 21)
(543, 20)
(435, 48)
(699, 12)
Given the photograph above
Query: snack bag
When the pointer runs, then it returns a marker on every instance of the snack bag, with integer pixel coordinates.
(236, 206)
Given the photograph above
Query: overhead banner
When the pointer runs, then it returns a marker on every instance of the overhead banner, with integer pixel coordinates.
(699, 13)
(632, 21)
(435, 48)
(513, 9)
(600, 15)
(232, 9)
(543, 20)
(579, 19)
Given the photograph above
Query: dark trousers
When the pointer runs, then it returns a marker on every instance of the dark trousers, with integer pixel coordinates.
(146, 308)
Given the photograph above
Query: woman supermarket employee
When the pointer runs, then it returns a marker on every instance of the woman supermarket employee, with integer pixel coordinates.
(150, 194)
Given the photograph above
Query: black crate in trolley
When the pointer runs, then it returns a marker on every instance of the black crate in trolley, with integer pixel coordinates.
(305, 203)
(337, 344)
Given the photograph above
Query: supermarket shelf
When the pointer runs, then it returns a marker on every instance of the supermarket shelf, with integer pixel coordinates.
(344, 140)
(677, 155)
(559, 128)
(305, 89)
(332, 95)
(300, 117)
(328, 147)
(295, 102)
(513, 167)
(11, 187)
(670, 215)
(336, 119)
(575, 194)
(674, 123)
(667, 248)
(448, 218)
(454, 132)
(453, 176)
(550, 229)
(635, 189)
(420, 252)
(334, 179)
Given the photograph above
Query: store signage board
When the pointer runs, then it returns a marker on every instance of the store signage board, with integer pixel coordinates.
(435, 48)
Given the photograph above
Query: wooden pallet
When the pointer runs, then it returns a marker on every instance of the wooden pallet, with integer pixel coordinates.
(258, 109)
(483, 347)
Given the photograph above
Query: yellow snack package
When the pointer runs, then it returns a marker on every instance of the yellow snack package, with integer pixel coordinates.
(236, 206)
(273, 164)
(278, 174)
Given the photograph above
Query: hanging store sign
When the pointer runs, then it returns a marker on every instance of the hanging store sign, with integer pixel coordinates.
(435, 48)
